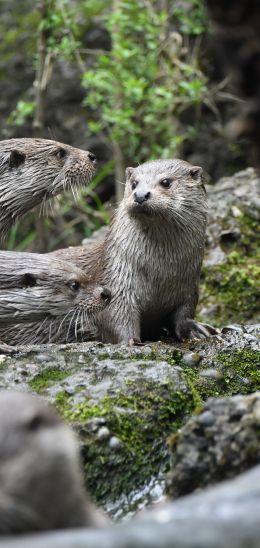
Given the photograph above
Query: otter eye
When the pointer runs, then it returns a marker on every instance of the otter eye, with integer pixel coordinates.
(166, 183)
(134, 184)
(74, 285)
(61, 153)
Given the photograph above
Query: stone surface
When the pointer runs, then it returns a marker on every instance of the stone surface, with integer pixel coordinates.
(218, 443)
(226, 516)
(125, 402)
(230, 277)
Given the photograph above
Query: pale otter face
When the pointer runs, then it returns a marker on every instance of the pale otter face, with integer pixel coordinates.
(162, 189)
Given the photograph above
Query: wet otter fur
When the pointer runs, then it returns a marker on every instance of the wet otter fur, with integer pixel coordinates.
(34, 170)
(152, 254)
(41, 485)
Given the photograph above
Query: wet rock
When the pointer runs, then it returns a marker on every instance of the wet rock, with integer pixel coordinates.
(230, 279)
(232, 328)
(215, 256)
(124, 402)
(212, 374)
(218, 443)
(225, 516)
(115, 443)
(192, 359)
(103, 433)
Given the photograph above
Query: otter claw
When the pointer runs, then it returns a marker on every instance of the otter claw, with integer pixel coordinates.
(135, 342)
(191, 330)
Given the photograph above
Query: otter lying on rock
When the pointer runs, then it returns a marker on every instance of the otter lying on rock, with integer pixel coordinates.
(152, 254)
(34, 170)
(41, 485)
(35, 287)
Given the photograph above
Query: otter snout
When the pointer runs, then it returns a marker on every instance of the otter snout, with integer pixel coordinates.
(106, 294)
(140, 197)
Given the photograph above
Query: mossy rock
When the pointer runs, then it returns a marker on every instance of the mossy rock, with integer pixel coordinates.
(231, 271)
(125, 402)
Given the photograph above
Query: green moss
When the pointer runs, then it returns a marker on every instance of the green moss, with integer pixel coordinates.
(238, 367)
(45, 379)
(234, 285)
(3, 362)
(144, 415)
(142, 419)
(241, 375)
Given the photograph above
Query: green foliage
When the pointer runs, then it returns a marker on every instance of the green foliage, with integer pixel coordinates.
(192, 19)
(139, 89)
(60, 28)
(23, 110)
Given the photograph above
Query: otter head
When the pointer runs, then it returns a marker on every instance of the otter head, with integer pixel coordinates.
(41, 482)
(74, 168)
(87, 296)
(34, 170)
(87, 300)
(38, 455)
(164, 189)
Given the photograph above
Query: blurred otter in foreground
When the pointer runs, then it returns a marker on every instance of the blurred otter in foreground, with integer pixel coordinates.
(41, 485)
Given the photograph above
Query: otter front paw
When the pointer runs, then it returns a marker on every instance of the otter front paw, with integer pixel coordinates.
(135, 342)
(189, 329)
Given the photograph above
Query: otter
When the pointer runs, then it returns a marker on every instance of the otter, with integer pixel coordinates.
(34, 170)
(41, 485)
(152, 254)
(36, 287)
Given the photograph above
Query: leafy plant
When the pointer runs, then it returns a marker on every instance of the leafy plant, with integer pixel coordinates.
(138, 90)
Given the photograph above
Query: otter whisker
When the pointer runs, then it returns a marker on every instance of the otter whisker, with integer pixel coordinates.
(75, 311)
(63, 320)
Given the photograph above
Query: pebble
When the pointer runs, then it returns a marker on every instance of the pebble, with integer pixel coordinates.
(250, 337)
(43, 358)
(115, 443)
(103, 433)
(212, 374)
(232, 329)
(206, 418)
(191, 358)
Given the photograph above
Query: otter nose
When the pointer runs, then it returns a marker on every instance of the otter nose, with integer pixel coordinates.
(106, 294)
(92, 157)
(141, 197)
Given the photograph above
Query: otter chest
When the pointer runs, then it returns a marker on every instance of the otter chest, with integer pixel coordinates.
(159, 275)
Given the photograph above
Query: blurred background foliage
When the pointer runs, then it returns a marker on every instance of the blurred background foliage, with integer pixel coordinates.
(127, 80)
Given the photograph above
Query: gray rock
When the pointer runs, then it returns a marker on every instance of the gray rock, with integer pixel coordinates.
(216, 444)
(135, 398)
(226, 516)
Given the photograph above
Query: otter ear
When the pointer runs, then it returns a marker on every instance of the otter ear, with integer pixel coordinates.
(29, 280)
(16, 158)
(196, 173)
(128, 172)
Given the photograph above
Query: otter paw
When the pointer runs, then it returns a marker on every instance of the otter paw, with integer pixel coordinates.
(189, 329)
(135, 342)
